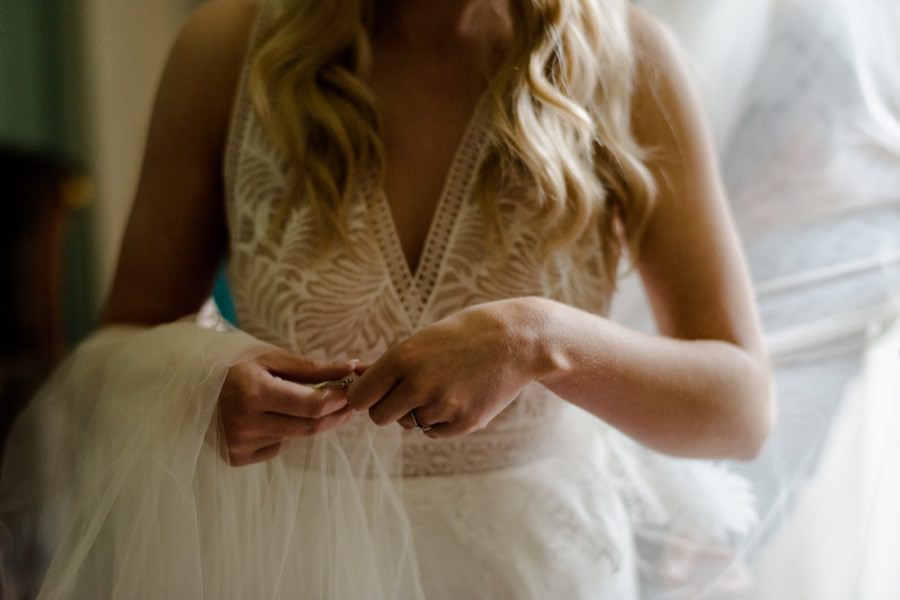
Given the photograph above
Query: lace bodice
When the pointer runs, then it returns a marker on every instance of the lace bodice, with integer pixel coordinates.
(360, 300)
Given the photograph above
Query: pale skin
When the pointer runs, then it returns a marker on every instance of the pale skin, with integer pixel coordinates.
(699, 389)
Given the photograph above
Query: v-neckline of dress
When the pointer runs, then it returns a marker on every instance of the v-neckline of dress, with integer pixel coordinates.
(415, 287)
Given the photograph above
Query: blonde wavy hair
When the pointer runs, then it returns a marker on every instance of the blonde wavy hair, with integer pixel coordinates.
(561, 101)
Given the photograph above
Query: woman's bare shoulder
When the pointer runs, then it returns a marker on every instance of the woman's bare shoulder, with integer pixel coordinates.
(666, 108)
(654, 44)
(210, 51)
(226, 22)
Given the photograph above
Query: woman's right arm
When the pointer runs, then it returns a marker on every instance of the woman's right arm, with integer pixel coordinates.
(177, 237)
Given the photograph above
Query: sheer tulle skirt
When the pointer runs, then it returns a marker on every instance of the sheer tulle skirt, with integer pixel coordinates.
(144, 506)
(124, 494)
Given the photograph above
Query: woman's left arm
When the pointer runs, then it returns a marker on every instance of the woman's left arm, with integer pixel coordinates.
(702, 388)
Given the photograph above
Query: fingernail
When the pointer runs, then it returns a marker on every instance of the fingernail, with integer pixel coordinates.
(353, 364)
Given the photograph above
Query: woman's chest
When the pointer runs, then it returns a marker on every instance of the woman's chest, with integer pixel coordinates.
(425, 134)
(362, 295)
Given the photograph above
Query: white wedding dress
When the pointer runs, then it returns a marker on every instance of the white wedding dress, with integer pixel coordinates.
(133, 499)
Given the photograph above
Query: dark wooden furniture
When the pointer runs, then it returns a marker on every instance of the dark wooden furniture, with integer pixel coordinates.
(37, 193)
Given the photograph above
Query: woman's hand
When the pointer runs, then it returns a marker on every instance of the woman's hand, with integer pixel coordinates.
(264, 400)
(457, 374)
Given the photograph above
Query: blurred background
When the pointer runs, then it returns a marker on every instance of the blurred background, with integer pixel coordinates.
(77, 80)
(803, 98)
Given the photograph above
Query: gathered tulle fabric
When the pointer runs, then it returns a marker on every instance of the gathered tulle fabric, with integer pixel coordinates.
(141, 504)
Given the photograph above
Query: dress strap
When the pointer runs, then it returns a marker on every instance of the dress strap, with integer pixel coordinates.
(242, 109)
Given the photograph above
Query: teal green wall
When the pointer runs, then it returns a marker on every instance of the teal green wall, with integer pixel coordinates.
(40, 71)
(41, 108)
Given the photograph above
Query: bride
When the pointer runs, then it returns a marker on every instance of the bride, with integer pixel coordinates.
(423, 207)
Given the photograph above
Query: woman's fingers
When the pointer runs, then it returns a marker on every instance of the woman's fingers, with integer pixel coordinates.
(272, 397)
(267, 452)
(362, 368)
(399, 401)
(434, 413)
(430, 409)
(406, 422)
(298, 400)
(375, 383)
(301, 369)
(262, 440)
(448, 430)
(253, 456)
